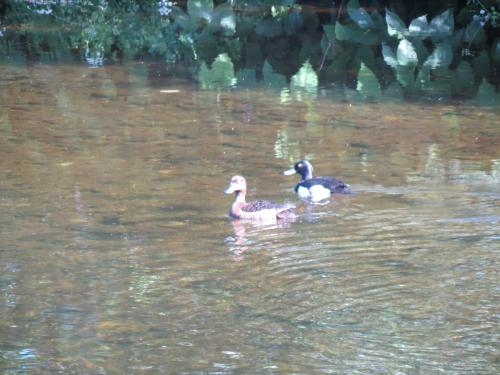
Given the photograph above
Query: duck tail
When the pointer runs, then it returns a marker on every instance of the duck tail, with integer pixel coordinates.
(287, 213)
(344, 189)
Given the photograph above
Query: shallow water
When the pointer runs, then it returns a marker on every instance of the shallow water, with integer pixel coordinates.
(117, 257)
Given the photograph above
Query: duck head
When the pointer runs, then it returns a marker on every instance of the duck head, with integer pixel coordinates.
(238, 184)
(303, 167)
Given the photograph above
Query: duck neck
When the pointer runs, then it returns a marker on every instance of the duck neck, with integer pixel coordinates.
(238, 204)
(307, 174)
(239, 197)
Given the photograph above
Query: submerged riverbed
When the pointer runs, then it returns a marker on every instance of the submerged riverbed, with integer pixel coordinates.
(117, 255)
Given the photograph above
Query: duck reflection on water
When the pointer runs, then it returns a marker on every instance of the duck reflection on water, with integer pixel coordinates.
(246, 234)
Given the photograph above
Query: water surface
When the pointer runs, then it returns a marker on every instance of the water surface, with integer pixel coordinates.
(116, 254)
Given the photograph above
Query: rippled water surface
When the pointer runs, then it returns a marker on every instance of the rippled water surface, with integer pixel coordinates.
(116, 254)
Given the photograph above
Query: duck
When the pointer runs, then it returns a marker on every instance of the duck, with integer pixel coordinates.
(256, 210)
(316, 188)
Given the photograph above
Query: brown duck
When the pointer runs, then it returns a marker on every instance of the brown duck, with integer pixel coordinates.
(256, 210)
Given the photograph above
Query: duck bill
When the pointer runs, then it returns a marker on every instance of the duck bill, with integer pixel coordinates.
(289, 172)
(229, 190)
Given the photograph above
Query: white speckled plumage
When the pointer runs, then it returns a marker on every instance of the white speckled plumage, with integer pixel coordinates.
(256, 210)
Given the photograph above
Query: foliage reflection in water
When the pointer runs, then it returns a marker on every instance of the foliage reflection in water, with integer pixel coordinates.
(117, 255)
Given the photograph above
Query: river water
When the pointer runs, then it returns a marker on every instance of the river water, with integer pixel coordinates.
(117, 256)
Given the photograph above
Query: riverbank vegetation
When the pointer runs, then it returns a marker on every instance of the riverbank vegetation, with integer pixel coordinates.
(437, 49)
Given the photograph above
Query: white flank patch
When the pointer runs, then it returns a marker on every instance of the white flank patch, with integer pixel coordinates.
(303, 192)
(319, 192)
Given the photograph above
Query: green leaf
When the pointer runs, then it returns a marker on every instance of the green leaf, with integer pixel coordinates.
(200, 8)
(245, 25)
(341, 32)
(406, 53)
(368, 38)
(422, 52)
(246, 78)
(269, 28)
(395, 26)
(441, 26)
(354, 34)
(221, 75)
(224, 19)
(204, 76)
(393, 93)
(486, 95)
(306, 78)
(474, 33)
(481, 66)
(406, 76)
(353, 4)
(327, 40)
(292, 22)
(186, 23)
(361, 17)
(233, 48)
(457, 39)
(336, 70)
(366, 54)
(329, 31)
(438, 87)
(419, 27)
(441, 57)
(389, 56)
(326, 47)
(464, 14)
(463, 79)
(206, 45)
(272, 79)
(378, 21)
(368, 85)
(423, 78)
(495, 51)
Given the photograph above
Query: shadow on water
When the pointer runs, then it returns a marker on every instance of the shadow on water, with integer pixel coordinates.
(117, 255)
